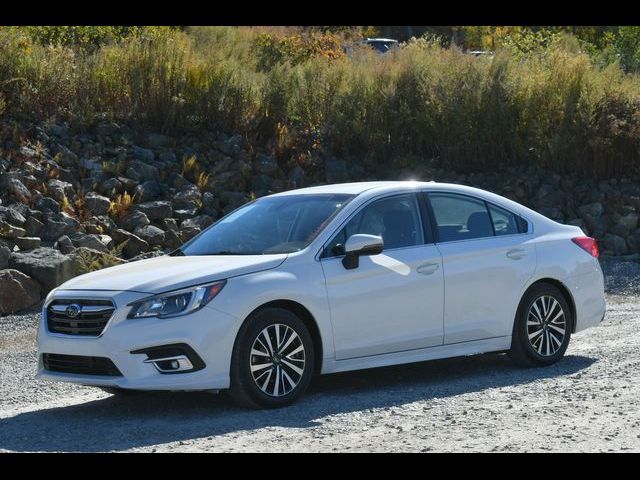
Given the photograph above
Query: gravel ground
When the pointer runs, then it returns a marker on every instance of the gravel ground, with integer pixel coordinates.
(590, 401)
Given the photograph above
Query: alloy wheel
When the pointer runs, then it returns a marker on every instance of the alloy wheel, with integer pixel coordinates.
(546, 325)
(277, 360)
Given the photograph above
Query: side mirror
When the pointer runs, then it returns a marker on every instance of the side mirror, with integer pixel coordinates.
(361, 244)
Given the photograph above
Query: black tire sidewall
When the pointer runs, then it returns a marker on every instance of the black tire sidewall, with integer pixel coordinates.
(521, 324)
(241, 378)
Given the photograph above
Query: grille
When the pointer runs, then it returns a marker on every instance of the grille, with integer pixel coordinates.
(90, 319)
(79, 364)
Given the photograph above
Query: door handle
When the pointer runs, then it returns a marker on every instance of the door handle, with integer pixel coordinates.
(428, 268)
(516, 253)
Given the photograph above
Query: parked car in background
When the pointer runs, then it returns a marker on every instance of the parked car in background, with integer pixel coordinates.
(328, 279)
(480, 53)
(380, 45)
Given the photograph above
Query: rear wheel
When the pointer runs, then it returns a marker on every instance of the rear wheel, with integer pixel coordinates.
(542, 327)
(273, 360)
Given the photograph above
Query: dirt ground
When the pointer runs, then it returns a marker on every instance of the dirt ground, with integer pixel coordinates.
(590, 401)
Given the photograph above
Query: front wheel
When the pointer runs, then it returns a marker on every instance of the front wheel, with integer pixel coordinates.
(273, 360)
(542, 327)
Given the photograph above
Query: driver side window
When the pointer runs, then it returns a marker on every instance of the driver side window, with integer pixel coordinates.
(396, 219)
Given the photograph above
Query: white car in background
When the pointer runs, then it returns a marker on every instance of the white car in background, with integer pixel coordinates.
(328, 279)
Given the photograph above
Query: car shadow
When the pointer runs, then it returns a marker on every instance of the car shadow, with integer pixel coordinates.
(146, 419)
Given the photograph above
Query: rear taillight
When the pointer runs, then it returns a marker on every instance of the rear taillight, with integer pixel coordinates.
(588, 244)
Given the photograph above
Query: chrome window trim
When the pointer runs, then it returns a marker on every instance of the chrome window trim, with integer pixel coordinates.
(529, 222)
(317, 257)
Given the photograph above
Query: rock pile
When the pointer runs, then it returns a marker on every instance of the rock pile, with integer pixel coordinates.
(108, 194)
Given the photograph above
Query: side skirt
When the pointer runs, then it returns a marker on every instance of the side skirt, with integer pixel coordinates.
(475, 347)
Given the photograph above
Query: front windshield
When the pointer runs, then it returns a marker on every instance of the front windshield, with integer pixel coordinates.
(281, 224)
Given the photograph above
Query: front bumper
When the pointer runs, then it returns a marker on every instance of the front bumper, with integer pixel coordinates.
(209, 332)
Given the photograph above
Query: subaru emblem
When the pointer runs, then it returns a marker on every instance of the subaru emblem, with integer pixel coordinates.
(73, 310)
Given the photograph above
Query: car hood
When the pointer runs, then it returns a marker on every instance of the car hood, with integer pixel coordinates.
(160, 274)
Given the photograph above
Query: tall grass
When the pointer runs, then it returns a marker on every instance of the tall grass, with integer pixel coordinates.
(551, 107)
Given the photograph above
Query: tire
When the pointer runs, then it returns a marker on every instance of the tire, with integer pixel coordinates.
(537, 339)
(275, 380)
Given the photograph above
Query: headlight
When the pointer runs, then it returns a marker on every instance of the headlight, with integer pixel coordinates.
(173, 304)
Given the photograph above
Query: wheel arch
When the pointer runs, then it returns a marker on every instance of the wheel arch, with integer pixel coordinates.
(301, 312)
(564, 290)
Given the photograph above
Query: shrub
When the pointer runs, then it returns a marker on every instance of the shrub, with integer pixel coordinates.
(539, 100)
(120, 206)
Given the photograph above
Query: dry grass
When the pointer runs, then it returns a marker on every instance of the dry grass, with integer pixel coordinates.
(121, 205)
(296, 92)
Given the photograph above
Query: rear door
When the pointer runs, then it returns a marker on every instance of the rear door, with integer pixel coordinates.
(488, 257)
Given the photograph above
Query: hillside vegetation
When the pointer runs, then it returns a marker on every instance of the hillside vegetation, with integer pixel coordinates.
(549, 101)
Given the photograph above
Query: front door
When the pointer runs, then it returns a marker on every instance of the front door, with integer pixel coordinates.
(393, 301)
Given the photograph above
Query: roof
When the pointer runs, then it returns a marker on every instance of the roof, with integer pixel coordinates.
(384, 187)
(355, 188)
(381, 40)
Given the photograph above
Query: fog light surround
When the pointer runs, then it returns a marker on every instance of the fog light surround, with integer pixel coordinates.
(174, 358)
(171, 364)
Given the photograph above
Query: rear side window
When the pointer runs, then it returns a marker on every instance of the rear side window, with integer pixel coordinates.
(460, 217)
(505, 222)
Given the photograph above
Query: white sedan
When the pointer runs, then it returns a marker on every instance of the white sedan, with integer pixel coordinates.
(328, 279)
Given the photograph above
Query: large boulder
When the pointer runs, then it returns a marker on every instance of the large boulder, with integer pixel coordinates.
(96, 204)
(147, 191)
(94, 242)
(189, 198)
(187, 233)
(17, 291)
(133, 220)
(12, 215)
(133, 245)
(141, 171)
(155, 211)
(150, 234)
(172, 239)
(33, 226)
(47, 265)
(15, 187)
(58, 189)
(64, 244)
(184, 213)
(10, 231)
(28, 243)
(169, 224)
(47, 204)
(53, 230)
(57, 225)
